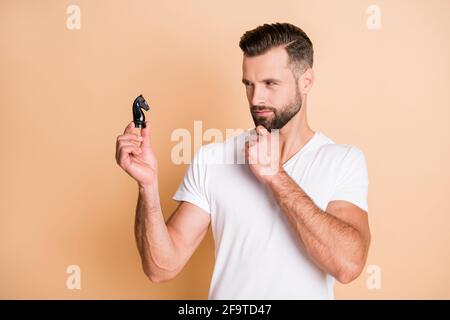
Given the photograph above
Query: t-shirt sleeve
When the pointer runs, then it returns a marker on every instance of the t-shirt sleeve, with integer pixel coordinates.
(353, 182)
(192, 188)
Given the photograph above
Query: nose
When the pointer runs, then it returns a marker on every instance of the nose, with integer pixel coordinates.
(258, 96)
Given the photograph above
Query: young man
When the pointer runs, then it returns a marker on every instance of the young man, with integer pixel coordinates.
(285, 227)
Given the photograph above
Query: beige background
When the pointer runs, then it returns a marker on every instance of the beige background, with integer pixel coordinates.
(66, 95)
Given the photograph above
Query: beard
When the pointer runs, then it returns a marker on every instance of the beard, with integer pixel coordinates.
(278, 118)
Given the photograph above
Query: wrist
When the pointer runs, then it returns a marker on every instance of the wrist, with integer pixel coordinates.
(149, 192)
(148, 187)
(269, 180)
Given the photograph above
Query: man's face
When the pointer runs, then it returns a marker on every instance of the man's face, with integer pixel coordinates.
(272, 90)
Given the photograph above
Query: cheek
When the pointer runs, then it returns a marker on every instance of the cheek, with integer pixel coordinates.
(249, 93)
(280, 96)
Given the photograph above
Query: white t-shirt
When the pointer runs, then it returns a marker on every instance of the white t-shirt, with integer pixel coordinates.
(257, 254)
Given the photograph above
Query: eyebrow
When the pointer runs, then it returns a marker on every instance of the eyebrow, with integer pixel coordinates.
(245, 81)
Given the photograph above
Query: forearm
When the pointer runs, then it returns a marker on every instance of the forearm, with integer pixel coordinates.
(334, 245)
(153, 240)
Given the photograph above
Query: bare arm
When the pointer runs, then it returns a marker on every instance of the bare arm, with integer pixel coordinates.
(165, 249)
(336, 239)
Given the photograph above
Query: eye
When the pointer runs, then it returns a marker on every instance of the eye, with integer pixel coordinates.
(270, 83)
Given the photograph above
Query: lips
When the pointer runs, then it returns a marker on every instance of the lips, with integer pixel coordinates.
(263, 112)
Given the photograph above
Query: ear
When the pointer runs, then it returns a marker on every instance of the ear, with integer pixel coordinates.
(306, 81)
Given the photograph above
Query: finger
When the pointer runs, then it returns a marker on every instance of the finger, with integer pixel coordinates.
(129, 136)
(247, 147)
(123, 152)
(246, 153)
(124, 143)
(258, 130)
(251, 143)
(261, 130)
(127, 150)
(145, 134)
(129, 128)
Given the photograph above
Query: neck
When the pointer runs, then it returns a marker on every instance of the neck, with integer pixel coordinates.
(294, 135)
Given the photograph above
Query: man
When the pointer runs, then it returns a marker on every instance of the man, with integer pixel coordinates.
(285, 227)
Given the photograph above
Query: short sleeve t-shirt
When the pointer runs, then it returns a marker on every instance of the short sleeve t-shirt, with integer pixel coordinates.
(257, 254)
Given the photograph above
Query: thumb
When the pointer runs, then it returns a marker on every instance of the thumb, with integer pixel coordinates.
(145, 134)
(261, 130)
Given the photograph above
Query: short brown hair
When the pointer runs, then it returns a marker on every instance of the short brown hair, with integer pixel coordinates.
(297, 44)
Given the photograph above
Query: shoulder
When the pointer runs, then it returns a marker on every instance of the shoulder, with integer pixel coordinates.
(338, 151)
(345, 162)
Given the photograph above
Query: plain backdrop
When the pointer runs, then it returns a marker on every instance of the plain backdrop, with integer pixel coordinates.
(65, 95)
